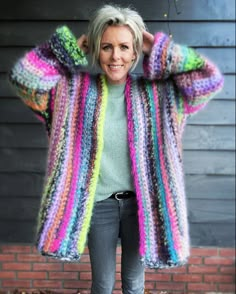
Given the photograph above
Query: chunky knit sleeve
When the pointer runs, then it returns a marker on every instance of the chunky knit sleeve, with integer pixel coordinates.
(196, 78)
(36, 75)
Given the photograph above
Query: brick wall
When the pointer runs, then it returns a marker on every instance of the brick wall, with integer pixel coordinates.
(209, 271)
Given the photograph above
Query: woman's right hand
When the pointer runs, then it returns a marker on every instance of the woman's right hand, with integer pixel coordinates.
(83, 43)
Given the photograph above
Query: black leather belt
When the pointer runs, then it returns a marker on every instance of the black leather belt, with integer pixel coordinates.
(122, 195)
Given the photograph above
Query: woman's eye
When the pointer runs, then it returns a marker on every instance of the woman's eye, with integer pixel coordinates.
(124, 47)
(106, 48)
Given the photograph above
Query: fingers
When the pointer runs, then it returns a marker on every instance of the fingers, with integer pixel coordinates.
(83, 43)
(148, 41)
(148, 37)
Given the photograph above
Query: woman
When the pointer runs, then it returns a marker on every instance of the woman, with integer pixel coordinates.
(115, 159)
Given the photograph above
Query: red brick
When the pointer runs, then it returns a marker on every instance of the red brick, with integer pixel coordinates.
(63, 276)
(202, 269)
(227, 270)
(220, 261)
(31, 258)
(118, 250)
(218, 278)
(53, 260)
(47, 267)
(77, 284)
(118, 285)
(204, 252)
(195, 260)
(47, 284)
(202, 287)
(35, 250)
(151, 270)
(15, 284)
(85, 276)
(187, 278)
(86, 251)
(170, 286)
(17, 266)
(118, 267)
(227, 287)
(70, 291)
(182, 269)
(149, 285)
(227, 252)
(85, 259)
(7, 257)
(157, 277)
(70, 267)
(32, 275)
(15, 249)
(7, 275)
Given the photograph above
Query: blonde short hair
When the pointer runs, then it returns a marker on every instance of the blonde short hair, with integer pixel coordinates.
(113, 15)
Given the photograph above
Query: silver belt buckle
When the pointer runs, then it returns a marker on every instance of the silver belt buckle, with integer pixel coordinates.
(117, 195)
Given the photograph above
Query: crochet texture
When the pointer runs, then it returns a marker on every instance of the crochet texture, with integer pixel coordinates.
(177, 82)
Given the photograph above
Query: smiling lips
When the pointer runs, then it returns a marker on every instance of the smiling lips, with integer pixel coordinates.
(115, 67)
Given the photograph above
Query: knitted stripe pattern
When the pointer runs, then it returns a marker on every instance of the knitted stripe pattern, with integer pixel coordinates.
(177, 82)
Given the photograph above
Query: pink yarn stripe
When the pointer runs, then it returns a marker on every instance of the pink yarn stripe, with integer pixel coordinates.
(170, 204)
(56, 129)
(41, 65)
(77, 161)
(141, 218)
(53, 163)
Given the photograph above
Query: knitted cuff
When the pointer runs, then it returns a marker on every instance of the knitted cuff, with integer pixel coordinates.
(155, 65)
(169, 58)
(64, 45)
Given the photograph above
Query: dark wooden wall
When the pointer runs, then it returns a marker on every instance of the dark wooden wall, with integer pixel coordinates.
(209, 141)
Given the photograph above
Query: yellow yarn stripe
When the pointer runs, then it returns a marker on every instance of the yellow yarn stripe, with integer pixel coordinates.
(93, 183)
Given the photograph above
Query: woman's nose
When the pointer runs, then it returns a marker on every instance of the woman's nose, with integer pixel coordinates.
(115, 54)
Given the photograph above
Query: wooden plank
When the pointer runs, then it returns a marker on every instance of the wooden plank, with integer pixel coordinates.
(17, 231)
(198, 34)
(210, 187)
(196, 137)
(21, 185)
(213, 162)
(29, 33)
(20, 209)
(23, 136)
(228, 91)
(225, 64)
(13, 110)
(217, 235)
(151, 10)
(22, 160)
(215, 113)
(211, 211)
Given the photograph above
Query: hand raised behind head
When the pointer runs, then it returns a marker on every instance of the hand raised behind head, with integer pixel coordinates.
(148, 41)
(83, 43)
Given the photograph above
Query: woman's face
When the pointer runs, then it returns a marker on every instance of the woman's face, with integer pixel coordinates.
(116, 53)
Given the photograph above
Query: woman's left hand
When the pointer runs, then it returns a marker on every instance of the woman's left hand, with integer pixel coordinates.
(148, 41)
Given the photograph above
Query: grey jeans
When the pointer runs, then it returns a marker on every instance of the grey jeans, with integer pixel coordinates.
(113, 219)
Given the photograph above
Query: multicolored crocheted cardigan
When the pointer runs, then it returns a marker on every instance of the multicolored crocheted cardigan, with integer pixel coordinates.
(176, 82)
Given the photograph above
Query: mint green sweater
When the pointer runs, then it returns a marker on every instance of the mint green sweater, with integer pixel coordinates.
(115, 168)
